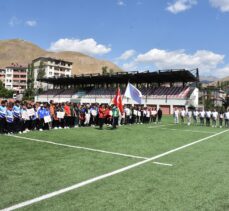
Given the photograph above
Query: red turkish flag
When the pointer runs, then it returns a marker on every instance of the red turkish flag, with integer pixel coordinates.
(118, 100)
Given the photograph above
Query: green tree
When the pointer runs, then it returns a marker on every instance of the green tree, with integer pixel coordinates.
(111, 71)
(41, 71)
(104, 70)
(30, 92)
(5, 93)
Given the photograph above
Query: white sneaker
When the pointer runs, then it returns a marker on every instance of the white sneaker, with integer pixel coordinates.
(55, 128)
(40, 129)
(60, 127)
(24, 131)
(19, 132)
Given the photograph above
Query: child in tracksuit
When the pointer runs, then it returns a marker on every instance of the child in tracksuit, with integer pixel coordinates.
(3, 117)
(10, 120)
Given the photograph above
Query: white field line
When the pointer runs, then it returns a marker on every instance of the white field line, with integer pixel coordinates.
(163, 164)
(92, 180)
(89, 149)
(156, 126)
(79, 147)
(194, 131)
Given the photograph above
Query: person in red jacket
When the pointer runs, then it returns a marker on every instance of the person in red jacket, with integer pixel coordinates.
(102, 116)
(67, 115)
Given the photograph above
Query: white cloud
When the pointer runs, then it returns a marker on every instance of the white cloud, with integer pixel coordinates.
(127, 54)
(162, 59)
(86, 46)
(180, 6)
(31, 23)
(222, 72)
(120, 3)
(207, 61)
(223, 5)
(14, 21)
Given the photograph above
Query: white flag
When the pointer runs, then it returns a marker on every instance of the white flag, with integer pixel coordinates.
(133, 93)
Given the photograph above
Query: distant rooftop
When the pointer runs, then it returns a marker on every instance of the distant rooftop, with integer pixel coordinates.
(51, 59)
(16, 66)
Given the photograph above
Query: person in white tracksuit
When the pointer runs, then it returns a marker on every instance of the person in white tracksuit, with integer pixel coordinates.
(176, 116)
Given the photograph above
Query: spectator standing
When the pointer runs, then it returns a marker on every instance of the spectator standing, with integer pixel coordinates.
(115, 114)
(226, 119)
(10, 119)
(221, 116)
(176, 116)
(3, 117)
(208, 118)
(102, 116)
(214, 118)
(159, 115)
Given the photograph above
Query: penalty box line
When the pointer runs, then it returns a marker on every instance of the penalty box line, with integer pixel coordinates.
(118, 171)
(79, 147)
(90, 149)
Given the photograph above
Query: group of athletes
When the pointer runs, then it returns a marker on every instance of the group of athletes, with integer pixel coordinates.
(209, 118)
(22, 117)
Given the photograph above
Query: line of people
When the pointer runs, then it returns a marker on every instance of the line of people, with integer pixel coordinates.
(19, 117)
(201, 117)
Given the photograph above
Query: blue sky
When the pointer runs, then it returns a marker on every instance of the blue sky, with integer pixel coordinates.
(135, 34)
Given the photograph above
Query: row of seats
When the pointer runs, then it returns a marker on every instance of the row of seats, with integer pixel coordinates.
(155, 92)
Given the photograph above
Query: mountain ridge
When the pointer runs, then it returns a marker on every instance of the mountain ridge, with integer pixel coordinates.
(23, 52)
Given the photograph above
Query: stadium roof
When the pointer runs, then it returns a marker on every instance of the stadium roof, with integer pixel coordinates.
(161, 76)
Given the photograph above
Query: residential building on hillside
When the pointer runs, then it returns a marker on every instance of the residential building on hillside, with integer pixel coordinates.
(46, 67)
(2, 75)
(212, 95)
(16, 78)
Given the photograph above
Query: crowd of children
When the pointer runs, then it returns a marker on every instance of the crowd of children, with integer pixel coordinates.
(21, 117)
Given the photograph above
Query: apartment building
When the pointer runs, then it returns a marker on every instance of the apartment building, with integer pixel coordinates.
(2, 76)
(50, 67)
(16, 78)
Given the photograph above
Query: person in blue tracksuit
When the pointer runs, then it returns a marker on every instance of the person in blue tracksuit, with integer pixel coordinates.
(41, 115)
(3, 117)
(10, 119)
(17, 117)
(46, 113)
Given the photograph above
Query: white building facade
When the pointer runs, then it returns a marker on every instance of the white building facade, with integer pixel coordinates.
(16, 78)
(50, 67)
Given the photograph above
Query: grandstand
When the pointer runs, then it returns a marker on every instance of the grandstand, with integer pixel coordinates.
(166, 89)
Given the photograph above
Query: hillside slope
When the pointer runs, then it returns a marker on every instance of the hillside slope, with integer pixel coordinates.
(23, 52)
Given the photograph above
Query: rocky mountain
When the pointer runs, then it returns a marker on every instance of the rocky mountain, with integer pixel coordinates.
(23, 52)
(214, 83)
(208, 79)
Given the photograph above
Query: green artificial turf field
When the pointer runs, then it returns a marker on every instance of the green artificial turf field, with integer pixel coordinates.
(194, 177)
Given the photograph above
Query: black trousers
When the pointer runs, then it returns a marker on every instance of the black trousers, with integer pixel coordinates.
(17, 125)
(33, 124)
(41, 123)
(55, 123)
(201, 121)
(115, 122)
(101, 122)
(25, 125)
(10, 127)
(2, 125)
(67, 121)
